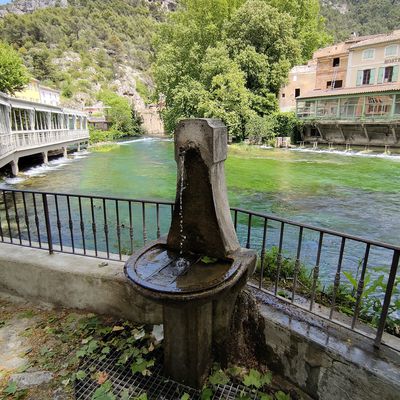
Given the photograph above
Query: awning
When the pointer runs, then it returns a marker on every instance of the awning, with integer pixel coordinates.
(22, 106)
(4, 102)
(45, 109)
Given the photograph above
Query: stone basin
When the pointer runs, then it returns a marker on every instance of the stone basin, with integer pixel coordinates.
(163, 274)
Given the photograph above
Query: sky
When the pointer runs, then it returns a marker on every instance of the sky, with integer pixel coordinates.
(5, 1)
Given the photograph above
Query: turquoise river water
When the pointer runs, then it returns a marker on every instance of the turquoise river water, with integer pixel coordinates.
(353, 193)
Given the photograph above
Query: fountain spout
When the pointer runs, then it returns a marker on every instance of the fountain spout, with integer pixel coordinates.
(208, 227)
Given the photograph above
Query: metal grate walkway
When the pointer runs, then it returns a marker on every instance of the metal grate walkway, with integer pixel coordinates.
(127, 385)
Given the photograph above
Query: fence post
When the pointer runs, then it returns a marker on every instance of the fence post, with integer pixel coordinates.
(47, 219)
(388, 297)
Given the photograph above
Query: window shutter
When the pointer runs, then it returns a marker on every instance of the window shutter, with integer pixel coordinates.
(372, 76)
(381, 73)
(359, 78)
(395, 76)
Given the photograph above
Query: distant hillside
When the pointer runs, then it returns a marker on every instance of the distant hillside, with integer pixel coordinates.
(82, 46)
(364, 17)
(28, 6)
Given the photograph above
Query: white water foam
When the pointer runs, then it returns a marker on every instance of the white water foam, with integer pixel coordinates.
(146, 139)
(349, 153)
(12, 181)
(44, 169)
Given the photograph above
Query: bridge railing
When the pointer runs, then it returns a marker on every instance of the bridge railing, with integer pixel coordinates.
(8, 143)
(38, 138)
(351, 281)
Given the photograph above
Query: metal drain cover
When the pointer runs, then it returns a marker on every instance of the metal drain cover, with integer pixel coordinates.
(125, 384)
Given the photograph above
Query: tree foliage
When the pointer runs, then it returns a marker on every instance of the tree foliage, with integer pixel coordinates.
(13, 74)
(82, 47)
(228, 58)
(120, 113)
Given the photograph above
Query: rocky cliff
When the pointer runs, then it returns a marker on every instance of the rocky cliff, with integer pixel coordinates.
(28, 6)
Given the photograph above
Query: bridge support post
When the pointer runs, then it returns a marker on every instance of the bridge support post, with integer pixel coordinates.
(79, 147)
(14, 167)
(65, 152)
(45, 155)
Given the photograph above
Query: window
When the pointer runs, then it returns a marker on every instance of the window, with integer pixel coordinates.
(368, 54)
(351, 107)
(338, 84)
(388, 74)
(391, 51)
(397, 105)
(327, 108)
(366, 77)
(335, 85)
(306, 109)
(297, 92)
(378, 106)
(283, 95)
(336, 62)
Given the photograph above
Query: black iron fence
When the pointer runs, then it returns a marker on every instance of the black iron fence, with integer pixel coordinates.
(349, 280)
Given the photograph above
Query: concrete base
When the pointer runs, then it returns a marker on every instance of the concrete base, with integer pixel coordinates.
(74, 282)
(324, 360)
(187, 342)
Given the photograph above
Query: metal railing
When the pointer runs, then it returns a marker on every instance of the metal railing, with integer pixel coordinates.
(320, 270)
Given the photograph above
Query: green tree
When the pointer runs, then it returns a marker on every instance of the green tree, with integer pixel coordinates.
(120, 112)
(13, 74)
(225, 59)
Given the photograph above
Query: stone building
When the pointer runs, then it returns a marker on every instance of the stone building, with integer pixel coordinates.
(301, 80)
(36, 92)
(360, 104)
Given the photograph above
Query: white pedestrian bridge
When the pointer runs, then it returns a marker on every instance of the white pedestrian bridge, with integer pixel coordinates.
(28, 128)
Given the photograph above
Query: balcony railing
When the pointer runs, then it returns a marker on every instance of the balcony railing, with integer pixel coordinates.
(343, 278)
(38, 138)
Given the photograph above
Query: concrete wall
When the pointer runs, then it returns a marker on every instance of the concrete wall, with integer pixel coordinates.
(326, 361)
(327, 73)
(300, 77)
(323, 360)
(74, 282)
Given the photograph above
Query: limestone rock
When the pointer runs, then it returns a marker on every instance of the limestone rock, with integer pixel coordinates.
(28, 6)
(30, 379)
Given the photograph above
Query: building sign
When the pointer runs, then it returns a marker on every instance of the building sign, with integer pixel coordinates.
(392, 60)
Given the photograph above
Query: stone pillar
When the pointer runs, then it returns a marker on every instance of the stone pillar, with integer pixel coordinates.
(187, 342)
(79, 147)
(65, 152)
(15, 167)
(45, 155)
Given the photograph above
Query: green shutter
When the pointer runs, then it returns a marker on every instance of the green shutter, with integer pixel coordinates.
(395, 76)
(381, 73)
(359, 78)
(372, 76)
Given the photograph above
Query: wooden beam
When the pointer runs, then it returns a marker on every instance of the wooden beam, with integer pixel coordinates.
(393, 129)
(365, 132)
(319, 130)
(338, 126)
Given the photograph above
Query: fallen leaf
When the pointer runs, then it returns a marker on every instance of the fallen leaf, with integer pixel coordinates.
(102, 377)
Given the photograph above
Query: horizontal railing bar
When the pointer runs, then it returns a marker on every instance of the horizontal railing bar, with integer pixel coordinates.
(327, 231)
(85, 196)
(324, 230)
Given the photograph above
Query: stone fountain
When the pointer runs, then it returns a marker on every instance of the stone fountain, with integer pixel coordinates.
(196, 272)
